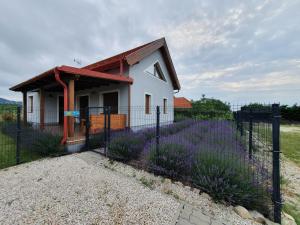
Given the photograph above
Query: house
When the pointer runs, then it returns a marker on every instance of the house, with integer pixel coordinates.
(182, 103)
(127, 82)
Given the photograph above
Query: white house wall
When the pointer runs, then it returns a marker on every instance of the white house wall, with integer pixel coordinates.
(34, 116)
(143, 84)
(148, 84)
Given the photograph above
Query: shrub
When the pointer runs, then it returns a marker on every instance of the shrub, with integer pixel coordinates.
(47, 144)
(125, 146)
(8, 116)
(231, 179)
(175, 127)
(97, 140)
(173, 159)
(149, 133)
(34, 140)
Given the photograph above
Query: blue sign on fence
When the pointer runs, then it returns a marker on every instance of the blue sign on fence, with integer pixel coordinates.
(72, 113)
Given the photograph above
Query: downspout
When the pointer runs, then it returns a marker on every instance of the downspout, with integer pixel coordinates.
(57, 78)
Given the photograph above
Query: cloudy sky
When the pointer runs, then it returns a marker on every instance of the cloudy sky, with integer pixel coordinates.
(241, 51)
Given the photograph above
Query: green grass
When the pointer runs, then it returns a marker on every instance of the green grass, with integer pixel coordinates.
(292, 210)
(8, 152)
(290, 146)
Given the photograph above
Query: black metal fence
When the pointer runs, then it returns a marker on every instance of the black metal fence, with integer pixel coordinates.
(234, 155)
(22, 141)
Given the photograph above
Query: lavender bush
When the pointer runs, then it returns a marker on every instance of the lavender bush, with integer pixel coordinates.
(174, 158)
(96, 140)
(230, 178)
(125, 146)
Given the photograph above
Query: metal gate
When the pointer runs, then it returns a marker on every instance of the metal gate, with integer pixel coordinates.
(97, 128)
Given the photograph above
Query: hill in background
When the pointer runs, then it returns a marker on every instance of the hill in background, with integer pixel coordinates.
(4, 101)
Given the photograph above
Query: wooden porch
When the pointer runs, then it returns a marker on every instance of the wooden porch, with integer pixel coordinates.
(68, 80)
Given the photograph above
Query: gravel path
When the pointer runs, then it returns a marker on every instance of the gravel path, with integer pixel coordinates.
(75, 189)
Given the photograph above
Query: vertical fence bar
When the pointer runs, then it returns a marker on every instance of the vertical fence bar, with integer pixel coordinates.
(241, 123)
(276, 162)
(237, 117)
(250, 133)
(18, 135)
(108, 124)
(87, 128)
(105, 130)
(157, 131)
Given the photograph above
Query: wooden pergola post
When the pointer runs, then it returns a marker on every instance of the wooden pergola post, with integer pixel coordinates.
(42, 109)
(71, 93)
(25, 107)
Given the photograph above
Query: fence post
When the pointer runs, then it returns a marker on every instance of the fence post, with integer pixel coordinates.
(157, 131)
(241, 123)
(250, 133)
(237, 119)
(18, 135)
(87, 128)
(108, 124)
(276, 162)
(105, 129)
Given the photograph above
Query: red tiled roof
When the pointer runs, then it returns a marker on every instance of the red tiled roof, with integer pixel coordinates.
(135, 55)
(182, 102)
(67, 71)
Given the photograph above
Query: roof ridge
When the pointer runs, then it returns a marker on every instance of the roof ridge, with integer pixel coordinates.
(118, 56)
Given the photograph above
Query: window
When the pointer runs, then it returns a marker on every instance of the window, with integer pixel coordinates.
(156, 71)
(165, 106)
(147, 103)
(30, 104)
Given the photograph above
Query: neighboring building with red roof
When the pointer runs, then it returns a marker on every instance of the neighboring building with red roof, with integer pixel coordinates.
(131, 78)
(182, 103)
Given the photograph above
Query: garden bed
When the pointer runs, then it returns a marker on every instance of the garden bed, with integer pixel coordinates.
(209, 155)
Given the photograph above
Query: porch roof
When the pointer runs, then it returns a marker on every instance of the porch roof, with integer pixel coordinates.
(85, 78)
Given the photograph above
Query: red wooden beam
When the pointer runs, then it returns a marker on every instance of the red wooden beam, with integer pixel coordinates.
(57, 77)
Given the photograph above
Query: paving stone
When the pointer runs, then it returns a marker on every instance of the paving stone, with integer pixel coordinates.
(182, 221)
(200, 214)
(200, 219)
(186, 212)
(215, 222)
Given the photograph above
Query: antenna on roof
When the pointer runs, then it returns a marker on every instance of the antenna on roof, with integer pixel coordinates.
(77, 61)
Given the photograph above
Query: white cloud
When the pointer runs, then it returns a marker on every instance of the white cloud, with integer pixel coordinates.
(213, 44)
(270, 81)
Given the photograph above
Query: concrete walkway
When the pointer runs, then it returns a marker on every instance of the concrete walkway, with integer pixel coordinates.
(190, 215)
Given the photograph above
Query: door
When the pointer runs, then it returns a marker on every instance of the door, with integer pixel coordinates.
(60, 109)
(111, 99)
(83, 104)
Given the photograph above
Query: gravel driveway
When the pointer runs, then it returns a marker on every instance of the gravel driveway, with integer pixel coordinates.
(70, 190)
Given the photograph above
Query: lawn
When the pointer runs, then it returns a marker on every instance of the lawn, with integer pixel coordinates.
(290, 146)
(8, 152)
(290, 142)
